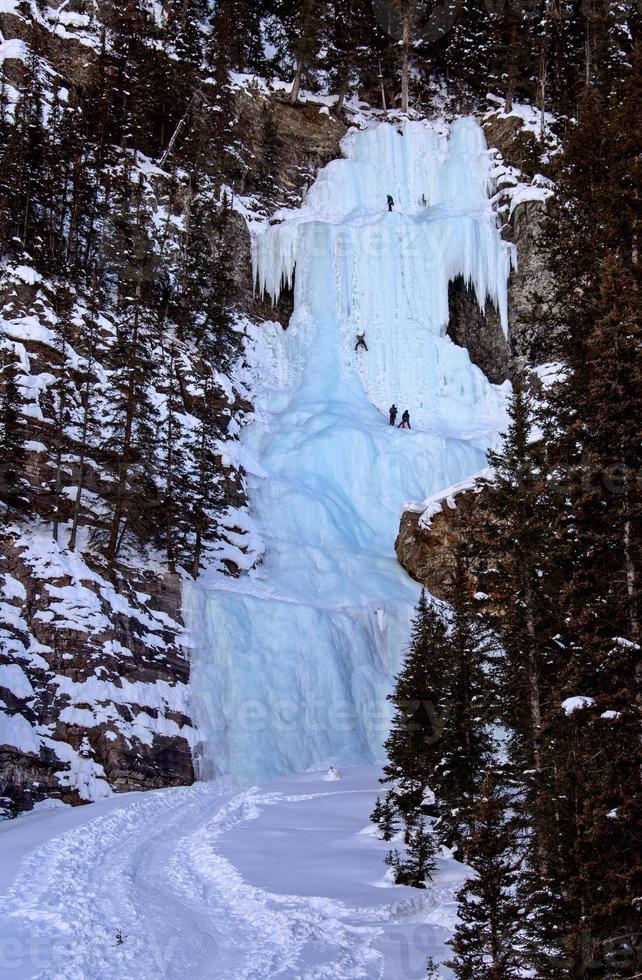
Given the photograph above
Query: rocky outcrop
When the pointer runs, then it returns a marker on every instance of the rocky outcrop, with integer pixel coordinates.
(522, 205)
(93, 677)
(479, 331)
(518, 145)
(531, 296)
(531, 290)
(429, 537)
(304, 137)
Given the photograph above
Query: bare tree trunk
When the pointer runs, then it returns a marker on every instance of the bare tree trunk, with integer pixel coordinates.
(179, 128)
(587, 54)
(296, 84)
(383, 91)
(510, 81)
(115, 536)
(405, 58)
(542, 97)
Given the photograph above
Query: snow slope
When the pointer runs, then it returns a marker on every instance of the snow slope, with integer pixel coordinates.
(284, 879)
(295, 658)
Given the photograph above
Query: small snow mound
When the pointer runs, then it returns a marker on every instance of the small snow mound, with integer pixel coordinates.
(577, 703)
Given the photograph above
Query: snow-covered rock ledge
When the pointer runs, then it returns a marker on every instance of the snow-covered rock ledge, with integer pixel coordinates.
(94, 694)
(430, 531)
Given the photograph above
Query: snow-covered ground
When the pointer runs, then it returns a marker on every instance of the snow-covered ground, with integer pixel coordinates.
(295, 659)
(283, 879)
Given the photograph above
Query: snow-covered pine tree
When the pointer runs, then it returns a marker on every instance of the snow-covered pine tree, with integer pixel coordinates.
(418, 863)
(421, 700)
(88, 348)
(62, 392)
(22, 160)
(385, 816)
(466, 742)
(132, 423)
(486, 943)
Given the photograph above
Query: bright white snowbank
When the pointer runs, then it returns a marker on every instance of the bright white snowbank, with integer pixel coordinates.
(295, 658)
(284, 879)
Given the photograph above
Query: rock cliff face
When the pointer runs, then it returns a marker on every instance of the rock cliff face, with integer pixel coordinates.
(94, 677)
(427, 541)
(529, 296)
(521, 202)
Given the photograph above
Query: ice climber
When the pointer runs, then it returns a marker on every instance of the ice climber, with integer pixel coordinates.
(393, 414)
(405, 420)
(391, 203)
(361, 342)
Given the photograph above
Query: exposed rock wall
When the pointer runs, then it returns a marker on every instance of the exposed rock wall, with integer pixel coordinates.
(521, 202)
(480, 331)
(93, 676)
(427, 549)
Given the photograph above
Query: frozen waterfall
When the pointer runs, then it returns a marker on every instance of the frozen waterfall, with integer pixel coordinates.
(295, 658)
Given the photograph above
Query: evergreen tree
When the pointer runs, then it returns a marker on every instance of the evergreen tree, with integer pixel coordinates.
(62, 391)
(206, 496)
(133, 415)
(384, 815)
(269, 164)
(466, 741)
(421, 700)
(418, 864)
(515, 550)
(13, 485)
(173, 509)
(485, 943)
(304, 28)
(88, 349)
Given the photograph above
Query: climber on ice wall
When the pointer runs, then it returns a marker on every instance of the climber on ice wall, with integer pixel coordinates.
(361, 342)
(391, 203)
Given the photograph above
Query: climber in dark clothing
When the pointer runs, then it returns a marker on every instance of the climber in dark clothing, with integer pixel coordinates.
(391, 203)
(393, 414)
(405, 420)
(361, 342)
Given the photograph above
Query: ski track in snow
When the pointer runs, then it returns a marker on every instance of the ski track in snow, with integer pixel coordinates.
(155, 870)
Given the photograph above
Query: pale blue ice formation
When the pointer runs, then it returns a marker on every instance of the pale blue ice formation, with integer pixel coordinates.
(294, 659)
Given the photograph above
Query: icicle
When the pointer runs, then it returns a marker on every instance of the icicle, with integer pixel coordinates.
(442, 225)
